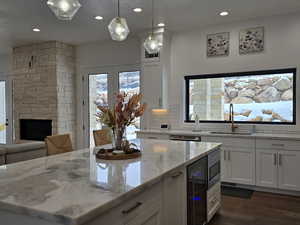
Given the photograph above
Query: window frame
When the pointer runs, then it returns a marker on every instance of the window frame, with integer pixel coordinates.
(240, 74)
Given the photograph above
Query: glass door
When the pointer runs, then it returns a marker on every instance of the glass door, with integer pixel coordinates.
(129, 82)
(98, 95)
(100, 88)
(3, 113)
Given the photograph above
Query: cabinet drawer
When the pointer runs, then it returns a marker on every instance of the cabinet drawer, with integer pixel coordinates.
(131, 208)
(231, 142)
(213, 200)
(277, 144)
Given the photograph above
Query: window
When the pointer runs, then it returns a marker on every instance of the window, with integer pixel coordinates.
(3, 112)
(258, 97)
(129, 82)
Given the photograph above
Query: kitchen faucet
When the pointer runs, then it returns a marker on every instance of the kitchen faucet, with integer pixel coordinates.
(231, 118)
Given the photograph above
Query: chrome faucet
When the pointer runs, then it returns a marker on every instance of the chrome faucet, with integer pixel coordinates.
(231, 118)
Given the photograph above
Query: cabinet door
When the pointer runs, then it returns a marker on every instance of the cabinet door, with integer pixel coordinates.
(266, 168)
(174, 198)
(241, 166)
(151, 85)
(288, 170)
(224, 165)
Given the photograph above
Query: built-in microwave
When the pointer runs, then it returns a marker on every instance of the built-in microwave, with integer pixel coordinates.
(214, 168)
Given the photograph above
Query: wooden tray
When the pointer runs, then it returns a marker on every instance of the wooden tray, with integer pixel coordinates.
(110, 156)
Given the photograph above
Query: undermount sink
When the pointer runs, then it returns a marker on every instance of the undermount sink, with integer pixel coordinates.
(231, 133)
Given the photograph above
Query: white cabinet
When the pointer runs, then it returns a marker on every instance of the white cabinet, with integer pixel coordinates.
(174, 198)
(152, 217)
(289, 170)
(224, 166)
(277, 167)
(237, 159)
(151, 85)
(162, 204)
(266, 168)
(143, 209)
(240, 165)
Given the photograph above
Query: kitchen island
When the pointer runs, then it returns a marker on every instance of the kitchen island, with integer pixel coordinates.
(75, 188)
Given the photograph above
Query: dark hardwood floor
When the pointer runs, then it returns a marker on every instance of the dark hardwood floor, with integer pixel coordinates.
(261, 209)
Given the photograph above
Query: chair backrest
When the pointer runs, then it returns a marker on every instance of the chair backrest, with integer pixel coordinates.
(102, 137)
(58, 144)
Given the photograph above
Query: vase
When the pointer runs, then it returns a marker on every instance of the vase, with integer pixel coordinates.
(118, 135)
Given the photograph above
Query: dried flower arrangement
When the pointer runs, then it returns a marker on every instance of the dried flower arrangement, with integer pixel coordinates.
(121, 116)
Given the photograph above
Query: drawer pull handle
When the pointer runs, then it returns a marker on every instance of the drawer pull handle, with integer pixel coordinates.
(278, 145)
(152, 138)
(176, 175)
(127, 211)
(275, 159)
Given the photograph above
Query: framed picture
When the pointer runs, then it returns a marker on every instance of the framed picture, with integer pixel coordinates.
(251, 40)
(218, 44)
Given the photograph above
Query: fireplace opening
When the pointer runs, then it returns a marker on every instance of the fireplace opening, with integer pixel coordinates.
(35, 130)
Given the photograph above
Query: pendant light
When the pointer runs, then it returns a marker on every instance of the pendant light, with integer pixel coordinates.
(153, 43)
(118, 27)
(64, 9)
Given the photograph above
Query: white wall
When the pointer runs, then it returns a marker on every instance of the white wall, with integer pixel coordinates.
(108, 53)
(102, 57)
(188, 57)
(5, 66)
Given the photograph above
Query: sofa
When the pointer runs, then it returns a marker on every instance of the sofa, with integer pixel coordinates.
(2, 157)
(12, 153)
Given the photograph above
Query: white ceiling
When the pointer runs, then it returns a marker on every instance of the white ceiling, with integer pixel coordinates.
(18, 17)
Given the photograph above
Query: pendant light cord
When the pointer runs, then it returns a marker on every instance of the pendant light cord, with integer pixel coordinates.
(118, 8)
(152, 17)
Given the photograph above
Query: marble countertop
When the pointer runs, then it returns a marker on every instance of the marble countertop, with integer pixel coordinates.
(74, 188)
(208, 133)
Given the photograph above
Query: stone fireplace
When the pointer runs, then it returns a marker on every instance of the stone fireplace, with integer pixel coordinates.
(43, 85)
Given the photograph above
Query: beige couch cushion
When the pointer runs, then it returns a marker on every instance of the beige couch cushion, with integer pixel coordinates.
(27, 155)
(24, 147)
(2, 150)
(13, 153)
(2, 160)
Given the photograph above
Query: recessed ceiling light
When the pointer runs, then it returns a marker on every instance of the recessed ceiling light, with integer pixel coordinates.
(36, 29)
(137, 10)
(161, 25)
(225, 13)
(98, 17)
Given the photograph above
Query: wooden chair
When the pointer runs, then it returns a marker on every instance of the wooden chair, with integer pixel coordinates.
(102, 137)
(58, 144)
